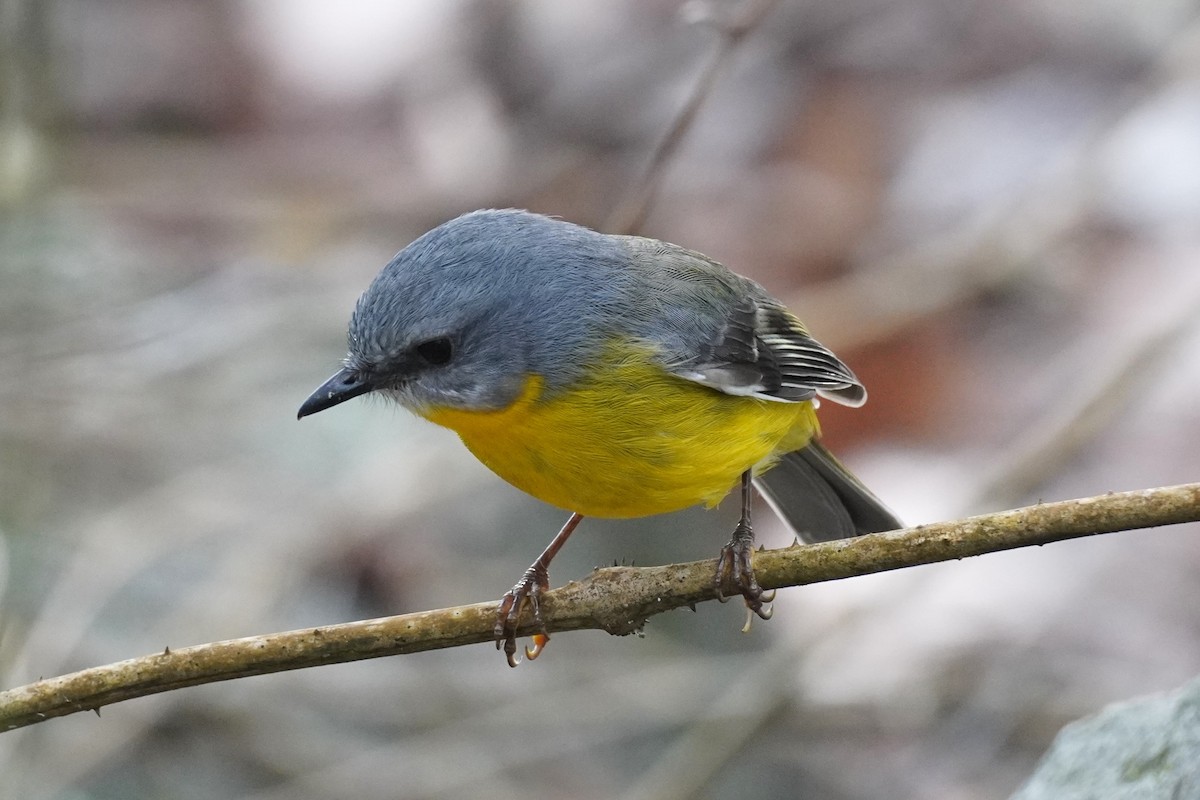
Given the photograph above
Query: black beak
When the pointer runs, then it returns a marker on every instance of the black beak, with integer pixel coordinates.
(343, 386)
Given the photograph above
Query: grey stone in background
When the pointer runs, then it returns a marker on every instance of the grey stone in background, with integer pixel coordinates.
(1145, 749)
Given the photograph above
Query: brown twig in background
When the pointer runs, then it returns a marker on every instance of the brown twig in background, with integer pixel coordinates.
(617, 599)
(1002, 242)
(1055, 436)
(630, 214)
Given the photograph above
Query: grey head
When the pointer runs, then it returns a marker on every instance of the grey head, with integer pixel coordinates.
(467, 312)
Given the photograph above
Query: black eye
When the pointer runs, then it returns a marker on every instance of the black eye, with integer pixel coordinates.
(436, 352)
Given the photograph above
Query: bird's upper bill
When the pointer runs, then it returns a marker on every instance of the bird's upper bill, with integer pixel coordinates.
(346, 384)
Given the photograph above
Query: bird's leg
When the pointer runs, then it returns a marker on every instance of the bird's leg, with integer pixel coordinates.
(535, 581)
(736, 564)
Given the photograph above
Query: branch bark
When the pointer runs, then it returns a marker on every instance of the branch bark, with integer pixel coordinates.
(615, 599)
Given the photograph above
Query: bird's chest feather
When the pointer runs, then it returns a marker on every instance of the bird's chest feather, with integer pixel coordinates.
(631, 441)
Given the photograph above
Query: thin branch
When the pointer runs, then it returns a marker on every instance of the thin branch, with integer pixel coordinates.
(1001, 241)
(1058, 433)
(722, 728)
(616, 599)
(630, 214)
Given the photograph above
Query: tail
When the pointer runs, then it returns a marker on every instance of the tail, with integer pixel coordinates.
(820, 500)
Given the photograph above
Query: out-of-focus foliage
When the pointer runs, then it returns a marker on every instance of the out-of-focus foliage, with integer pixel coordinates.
(989, 209)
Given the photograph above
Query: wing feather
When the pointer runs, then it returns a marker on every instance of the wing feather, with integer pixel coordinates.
(763, 350)
(726, 332)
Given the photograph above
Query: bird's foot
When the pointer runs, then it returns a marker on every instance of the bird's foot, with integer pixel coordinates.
(508, 615)
(735, 568)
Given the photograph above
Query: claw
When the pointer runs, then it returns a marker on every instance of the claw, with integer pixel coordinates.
(722, 574)
(726, 570)
(539, 644)
(535, 581)
(736, 566)
(764, 611)
(508, 615)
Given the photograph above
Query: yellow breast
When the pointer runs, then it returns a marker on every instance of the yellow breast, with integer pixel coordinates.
(631, 441)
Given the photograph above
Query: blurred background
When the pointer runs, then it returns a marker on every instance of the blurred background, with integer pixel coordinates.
(991, 210)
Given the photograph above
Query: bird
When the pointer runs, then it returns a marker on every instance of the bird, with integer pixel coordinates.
(611, 376)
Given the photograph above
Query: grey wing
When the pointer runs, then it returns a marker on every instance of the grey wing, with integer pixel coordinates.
(764, 351)
(728, 333)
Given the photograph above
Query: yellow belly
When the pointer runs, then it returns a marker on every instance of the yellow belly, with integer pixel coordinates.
(635, 441)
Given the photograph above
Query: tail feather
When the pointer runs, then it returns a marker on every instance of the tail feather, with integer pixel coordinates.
(820, 499)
